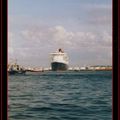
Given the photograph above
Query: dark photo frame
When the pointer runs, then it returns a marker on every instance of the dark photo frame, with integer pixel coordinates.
(4, 105)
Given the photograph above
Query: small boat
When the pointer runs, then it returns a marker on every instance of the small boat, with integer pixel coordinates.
(15, 69)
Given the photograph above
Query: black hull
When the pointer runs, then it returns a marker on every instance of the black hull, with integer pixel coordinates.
(16, 72)
(56, 66)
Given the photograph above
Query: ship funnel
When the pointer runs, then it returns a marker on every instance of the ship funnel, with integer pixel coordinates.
(60, 50)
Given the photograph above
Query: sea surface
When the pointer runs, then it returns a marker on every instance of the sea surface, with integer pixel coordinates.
(84, 95)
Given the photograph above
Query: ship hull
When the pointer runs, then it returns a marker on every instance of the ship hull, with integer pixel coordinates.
(56, 66)
(13, 72)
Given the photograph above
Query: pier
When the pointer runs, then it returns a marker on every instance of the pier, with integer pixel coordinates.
(76, 68)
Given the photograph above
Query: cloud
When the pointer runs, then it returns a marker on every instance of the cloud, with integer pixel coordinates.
(58, 35)
(10, 36)
(10, 50)
(10, 43)
(61, 36)
(36, 43)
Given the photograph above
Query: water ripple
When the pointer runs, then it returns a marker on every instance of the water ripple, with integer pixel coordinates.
(61, 96)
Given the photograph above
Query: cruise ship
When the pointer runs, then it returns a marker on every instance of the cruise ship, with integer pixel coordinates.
(59, 61)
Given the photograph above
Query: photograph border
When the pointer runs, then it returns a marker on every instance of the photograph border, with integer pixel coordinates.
(4, 59)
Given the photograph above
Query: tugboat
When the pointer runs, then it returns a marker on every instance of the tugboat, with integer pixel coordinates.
(14, 69)
(59, 61)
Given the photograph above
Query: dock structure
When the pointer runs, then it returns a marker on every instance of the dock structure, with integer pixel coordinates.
(76, 68)
(91, 68)
(97, 68)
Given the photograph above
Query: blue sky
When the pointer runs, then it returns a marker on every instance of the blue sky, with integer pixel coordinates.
(83, 28)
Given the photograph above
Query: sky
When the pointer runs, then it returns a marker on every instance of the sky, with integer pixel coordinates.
(82, 28)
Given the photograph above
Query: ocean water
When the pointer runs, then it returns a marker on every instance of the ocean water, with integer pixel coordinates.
(84, 95)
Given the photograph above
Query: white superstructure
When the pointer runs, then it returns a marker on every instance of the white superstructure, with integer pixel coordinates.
(60, 57)
(59, 60)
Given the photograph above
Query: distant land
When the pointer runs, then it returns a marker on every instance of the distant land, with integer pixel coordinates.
(76, 68)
